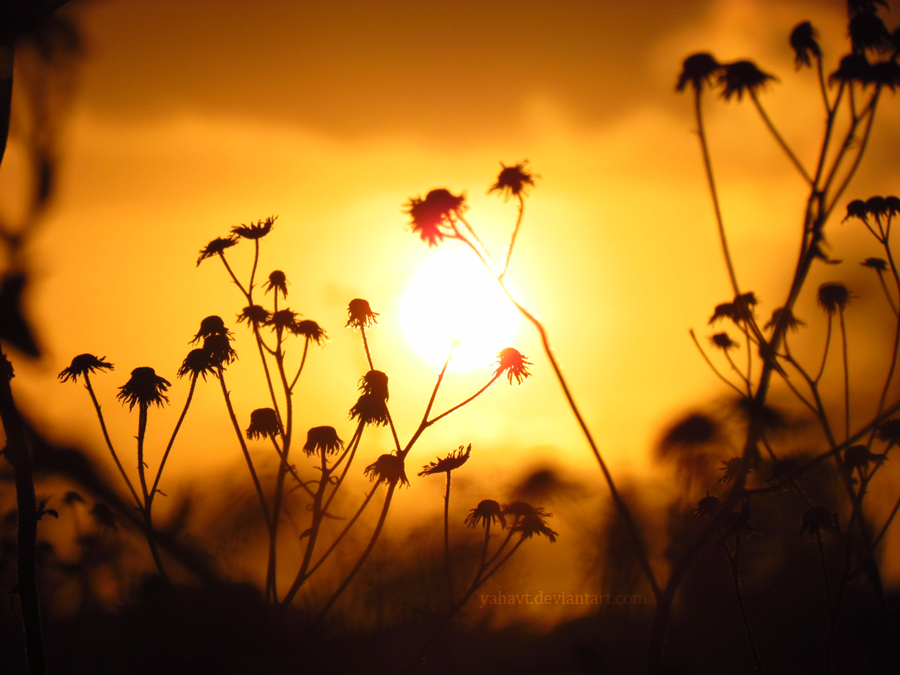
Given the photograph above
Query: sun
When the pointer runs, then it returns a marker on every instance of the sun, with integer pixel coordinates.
(453, 302)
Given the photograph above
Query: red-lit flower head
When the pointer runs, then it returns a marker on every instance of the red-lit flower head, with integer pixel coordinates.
(433, 216)
(514, 364)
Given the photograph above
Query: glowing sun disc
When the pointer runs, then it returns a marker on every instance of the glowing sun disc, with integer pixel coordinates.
(452, 302)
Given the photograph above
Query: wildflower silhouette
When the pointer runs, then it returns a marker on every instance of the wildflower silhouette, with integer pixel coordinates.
(512, 363)
(513, 181)
(216, 248)
(433, 217)
(256, 230)
(322, 440)
(849, 97)
(447, 465)
(263, 424)
(804, 42)
(742, 77)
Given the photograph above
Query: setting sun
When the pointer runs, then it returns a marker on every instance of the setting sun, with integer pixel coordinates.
(451, 300)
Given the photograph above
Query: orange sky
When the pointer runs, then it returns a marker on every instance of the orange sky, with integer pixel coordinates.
(191, 117)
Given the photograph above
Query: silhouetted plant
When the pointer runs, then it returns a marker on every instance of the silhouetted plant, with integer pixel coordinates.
(850, 97)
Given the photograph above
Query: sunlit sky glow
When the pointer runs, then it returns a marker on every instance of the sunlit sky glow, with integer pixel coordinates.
(191, 117)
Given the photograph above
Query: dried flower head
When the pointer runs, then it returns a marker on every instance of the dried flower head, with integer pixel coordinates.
(867, 31)
(256, 230)
(211, 325)
(852, 68)
(322, 439)
(263, 424)
(487, 512)
(889, 431)
(387, 469)
(449, 463)
(438, 210)
(360, 314)
(857, 209)
(277, 283)
(697, 70)
(283, 320)
(143, 388)
(833, 297)
(732, 468)
(218, 350)
(793, 323)
(694, 431)
(803, 42)
(742, 76)
(256, 315)
(818, 518)
(883, 207)
(529, 520)
(724, 310)
(886, 74)
(514, 364)
(375, 382)
(723, 341)
(708, 506)
(878, 264)
(310, 330)
(216, 247)
(513, 181)
(84, 364)
(196, 363)
(859, 457)
(370, 409)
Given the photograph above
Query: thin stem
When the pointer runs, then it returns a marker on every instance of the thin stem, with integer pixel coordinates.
(235, 279)
(478, 583)
(637, 542)
(447, 565)
(515, 232)
(824, 352)
(778, 137)
(134, 494)
(165, 456)
(337, 539)
(707, 163)
(237, 430)
(736, 580)
(146, 510)
(712, 367)
(362, 559)
(302, 363)
(846, 373)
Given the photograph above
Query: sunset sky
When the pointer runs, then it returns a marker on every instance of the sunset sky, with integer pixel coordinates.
(190, 117)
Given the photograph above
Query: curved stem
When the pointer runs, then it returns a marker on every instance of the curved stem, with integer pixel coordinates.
(478, 583)
(846, 374)
(237, 430)
(362, 559)
(147, 509)
(515, 233)
(778, 138)
(707, 163)
(134, 494)
(165, 456)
